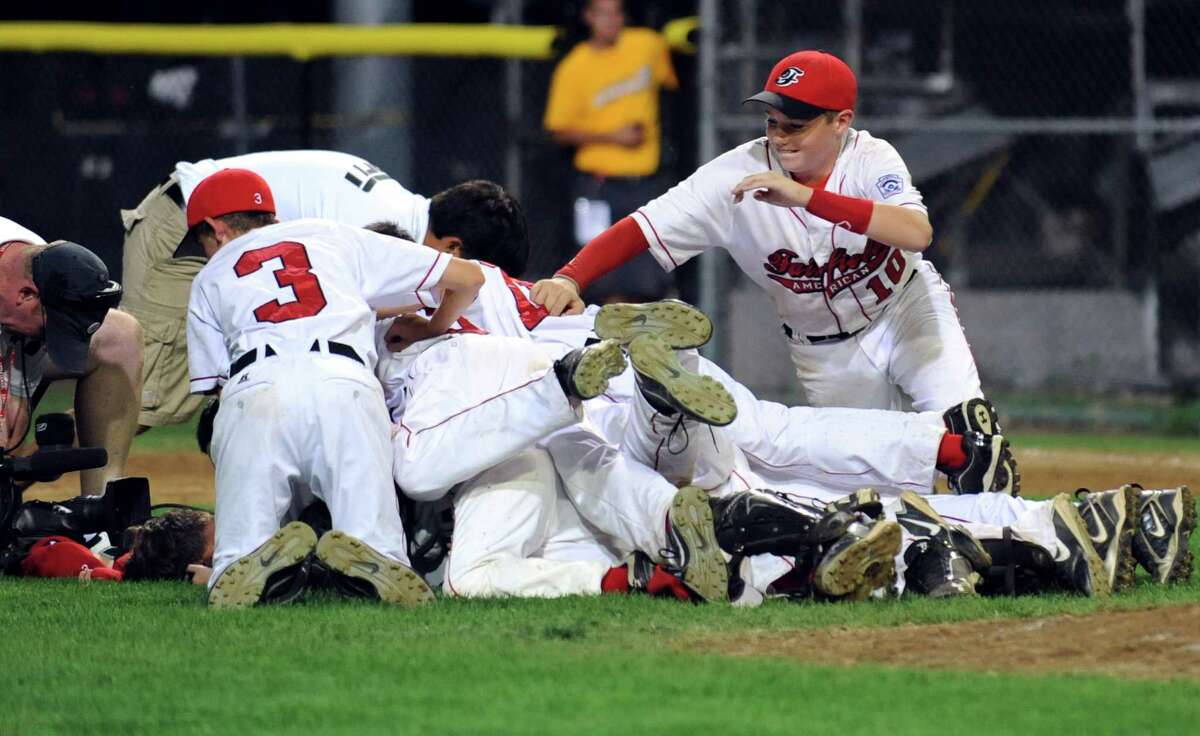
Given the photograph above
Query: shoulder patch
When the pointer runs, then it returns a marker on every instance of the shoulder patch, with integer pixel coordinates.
(889, 184)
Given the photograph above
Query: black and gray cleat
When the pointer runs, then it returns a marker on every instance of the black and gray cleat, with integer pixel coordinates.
(1076, 563)
(365, 572)
(990, 467)
(1110, 517)
(1166, 519)
(583, 373)
(919, 519)
(670, 388)
(973, 415)
(275, 572)
(693, 553)
(938, 571)
(862, 561)
(763, 522)
(678, 324)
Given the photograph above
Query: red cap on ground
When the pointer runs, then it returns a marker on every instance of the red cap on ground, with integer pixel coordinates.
(805, 84)
(229, 190)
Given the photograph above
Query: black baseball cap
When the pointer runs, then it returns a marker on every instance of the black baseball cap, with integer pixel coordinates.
(76, 293)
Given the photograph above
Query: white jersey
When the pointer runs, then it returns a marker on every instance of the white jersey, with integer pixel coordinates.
(824, 280)
(290, 284)
(325, 184)
(505, 307)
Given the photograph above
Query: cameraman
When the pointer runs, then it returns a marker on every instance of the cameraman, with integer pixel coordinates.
(56, 323)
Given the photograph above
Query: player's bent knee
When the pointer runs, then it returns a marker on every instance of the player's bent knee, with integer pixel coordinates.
(118, 341)
(473, 582)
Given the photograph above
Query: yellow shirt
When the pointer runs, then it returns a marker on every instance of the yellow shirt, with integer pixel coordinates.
(600, 90)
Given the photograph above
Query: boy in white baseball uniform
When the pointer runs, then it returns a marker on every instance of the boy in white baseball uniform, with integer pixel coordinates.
(833, 232)
(281, 321)
(161, 258)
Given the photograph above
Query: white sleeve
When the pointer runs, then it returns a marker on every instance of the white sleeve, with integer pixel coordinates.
(885, 178)
(393, 272)
(208, 359)
(694, 215)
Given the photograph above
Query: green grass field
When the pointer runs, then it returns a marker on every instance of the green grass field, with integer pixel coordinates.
(150, 658)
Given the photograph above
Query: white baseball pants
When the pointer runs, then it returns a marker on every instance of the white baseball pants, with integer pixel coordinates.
(915, 350)
(296, 427)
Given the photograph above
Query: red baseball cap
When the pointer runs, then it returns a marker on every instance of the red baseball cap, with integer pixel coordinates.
(807, 83)
(226, 191)
(229, 190)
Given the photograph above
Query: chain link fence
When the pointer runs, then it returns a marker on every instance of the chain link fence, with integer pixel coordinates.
(1056, 143)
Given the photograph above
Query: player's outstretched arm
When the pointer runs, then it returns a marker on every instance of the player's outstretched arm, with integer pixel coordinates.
(614, 247)
(901, 227)
(460, 284)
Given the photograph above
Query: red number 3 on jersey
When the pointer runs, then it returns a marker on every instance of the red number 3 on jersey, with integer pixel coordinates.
(295, 273)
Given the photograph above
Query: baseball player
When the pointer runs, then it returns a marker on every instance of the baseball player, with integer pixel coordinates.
(280, 320)
(833, 231)
(56, 323)
(161, 258)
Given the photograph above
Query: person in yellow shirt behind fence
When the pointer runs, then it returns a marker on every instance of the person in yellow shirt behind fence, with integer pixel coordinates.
(604, 102)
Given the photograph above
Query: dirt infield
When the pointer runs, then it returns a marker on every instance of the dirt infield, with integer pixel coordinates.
(1156, 644)
(187, 477)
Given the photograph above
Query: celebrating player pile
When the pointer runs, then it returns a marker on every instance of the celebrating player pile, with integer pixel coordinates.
(590, 450)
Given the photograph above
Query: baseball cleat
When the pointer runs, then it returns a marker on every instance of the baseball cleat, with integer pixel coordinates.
(1110, 517)
(670, 388)
(763, 522)
(1076, 563)
(273, 573)
(972, 415)
(676, 323)
(918, 518)
(371, 572)
(693, 554)
(862, 561)
(990, 466)
(944, 560)
(1165, 522)
(937, 571)
(583, 373)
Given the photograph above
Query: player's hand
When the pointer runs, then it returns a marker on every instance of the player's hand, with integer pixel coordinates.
(558, 295)
(773, 188)
(630, 136)
(199, 573)
(407, 329)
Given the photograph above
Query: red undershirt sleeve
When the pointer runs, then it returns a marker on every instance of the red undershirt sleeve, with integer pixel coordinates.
(614, 247)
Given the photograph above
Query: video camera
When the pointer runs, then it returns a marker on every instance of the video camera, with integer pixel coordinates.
(124, 502)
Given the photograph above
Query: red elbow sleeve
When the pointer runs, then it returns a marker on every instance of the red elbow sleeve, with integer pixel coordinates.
(837, 208)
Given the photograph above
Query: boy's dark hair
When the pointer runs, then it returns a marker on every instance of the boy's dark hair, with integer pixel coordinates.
(241, 221)
(164, 546)
(390, 229)
(488, 220)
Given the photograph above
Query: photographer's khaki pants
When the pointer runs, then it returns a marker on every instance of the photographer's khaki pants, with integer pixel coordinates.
(156, 287)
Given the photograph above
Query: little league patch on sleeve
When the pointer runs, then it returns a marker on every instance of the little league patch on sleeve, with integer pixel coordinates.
(890, 184)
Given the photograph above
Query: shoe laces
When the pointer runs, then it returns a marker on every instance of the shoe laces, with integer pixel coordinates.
(677, 429)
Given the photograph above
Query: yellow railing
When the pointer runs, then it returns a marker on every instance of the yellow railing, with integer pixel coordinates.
(300, 41)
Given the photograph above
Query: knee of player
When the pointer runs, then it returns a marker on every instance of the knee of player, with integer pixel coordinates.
(420, 486)
(118, 341)
(471, 581)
